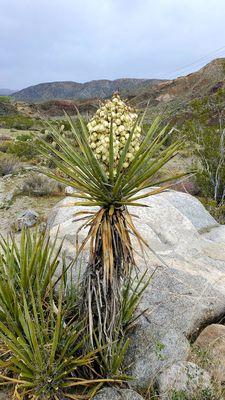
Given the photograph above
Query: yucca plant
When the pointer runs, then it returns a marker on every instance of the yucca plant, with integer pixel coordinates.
(42, 348)
(112, 168)
(31, 262)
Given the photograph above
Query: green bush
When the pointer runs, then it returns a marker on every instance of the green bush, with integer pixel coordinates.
(17, 122)
(39, 185)
(26, 150)
(5, 99)
(24, 137)
(205, 131)
(4, 145)
(217, 211)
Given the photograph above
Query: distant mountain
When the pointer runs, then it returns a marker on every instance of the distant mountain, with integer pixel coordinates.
(162, 96)
(74, 90)
(6, 92)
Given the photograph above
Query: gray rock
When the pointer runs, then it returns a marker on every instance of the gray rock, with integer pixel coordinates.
(9, 197)
(150, 352)
(6, 198)
(186, 378)
(62, 212)
(117, 394)
(191, 208)
(216, 234)
(69, 190)
(26, 219)
(128, 394)
(188, 286)
(106, 394)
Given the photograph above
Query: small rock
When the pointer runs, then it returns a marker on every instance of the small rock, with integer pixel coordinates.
(9, 197)
(128, 394)
(26, 219)
(7, 176)
(69, 190)
(211, 342)
(186, 378)
(117, 394)
(106, 394)
(6, 201)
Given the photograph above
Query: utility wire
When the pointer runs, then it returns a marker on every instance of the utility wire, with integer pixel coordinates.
(208, 57)
(175, 107)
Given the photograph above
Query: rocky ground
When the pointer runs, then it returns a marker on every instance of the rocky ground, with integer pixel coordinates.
(13, 204)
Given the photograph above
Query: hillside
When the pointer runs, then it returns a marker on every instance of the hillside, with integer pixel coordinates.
(181, 90)
(170, 95)
(74, 90)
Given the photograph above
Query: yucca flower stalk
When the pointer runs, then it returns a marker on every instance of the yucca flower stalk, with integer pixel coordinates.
(111, 169)
(122, 117)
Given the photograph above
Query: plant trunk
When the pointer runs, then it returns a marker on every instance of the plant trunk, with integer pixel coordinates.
(111, 259)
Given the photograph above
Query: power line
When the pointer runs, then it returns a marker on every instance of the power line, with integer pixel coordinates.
(170, 106)
(219, 52)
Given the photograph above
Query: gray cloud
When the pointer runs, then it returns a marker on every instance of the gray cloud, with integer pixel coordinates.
(81, 40)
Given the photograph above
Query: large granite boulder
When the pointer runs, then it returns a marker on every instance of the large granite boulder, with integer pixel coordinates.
(188, 287)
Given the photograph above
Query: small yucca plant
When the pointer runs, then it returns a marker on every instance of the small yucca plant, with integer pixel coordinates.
(108, 169)
(42, 348)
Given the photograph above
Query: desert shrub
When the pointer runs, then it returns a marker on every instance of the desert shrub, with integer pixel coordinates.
(64, 122)
(5, 99)
(8, 165)
(39, 185)
(4, 145)
(205, 132)
(17, 121)
(24, 137)
(64, 127)
(25, 150)
(3, 138)
(204, 183)
(217, 211)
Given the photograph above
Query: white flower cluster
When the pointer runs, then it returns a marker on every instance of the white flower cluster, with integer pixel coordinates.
(123, 118)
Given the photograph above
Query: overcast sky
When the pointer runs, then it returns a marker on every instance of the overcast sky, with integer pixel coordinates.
(81, 40)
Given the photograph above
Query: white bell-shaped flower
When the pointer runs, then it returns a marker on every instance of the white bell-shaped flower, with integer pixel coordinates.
(122, 118)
